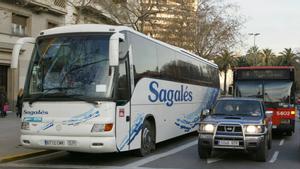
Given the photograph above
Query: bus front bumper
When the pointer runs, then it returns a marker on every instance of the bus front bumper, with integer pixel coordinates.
(78, 144)
(290, 126)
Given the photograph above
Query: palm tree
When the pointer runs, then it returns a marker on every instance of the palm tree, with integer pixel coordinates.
(254, 56)
(225, 60)
(242, 61)
(287, 56)
(267, 56)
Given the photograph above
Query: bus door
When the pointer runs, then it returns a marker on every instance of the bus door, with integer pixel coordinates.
(123, 105)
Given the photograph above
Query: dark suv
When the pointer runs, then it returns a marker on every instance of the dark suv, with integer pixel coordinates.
(236, 124)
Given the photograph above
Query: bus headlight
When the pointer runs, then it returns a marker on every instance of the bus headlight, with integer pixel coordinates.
(102, 127)
(254, 129)
(25, 126)
(207, 128)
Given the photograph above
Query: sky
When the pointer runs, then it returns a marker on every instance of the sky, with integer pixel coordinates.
(277, 21)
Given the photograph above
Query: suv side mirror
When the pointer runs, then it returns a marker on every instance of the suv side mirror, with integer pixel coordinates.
(269, 113)
(205, 113)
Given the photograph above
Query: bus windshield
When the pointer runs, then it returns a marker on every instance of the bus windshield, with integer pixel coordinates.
(277, 93)
(70, 65)
(274, 93)
(250, 89)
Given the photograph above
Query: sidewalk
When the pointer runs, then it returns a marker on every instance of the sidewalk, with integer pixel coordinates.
(10, 146)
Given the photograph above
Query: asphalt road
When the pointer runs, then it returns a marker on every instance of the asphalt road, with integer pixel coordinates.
(177, 153)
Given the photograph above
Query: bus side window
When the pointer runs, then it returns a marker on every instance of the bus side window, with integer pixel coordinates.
(123, 89)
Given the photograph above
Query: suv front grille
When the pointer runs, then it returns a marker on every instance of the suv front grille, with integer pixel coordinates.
(230, 129)
(232, 133)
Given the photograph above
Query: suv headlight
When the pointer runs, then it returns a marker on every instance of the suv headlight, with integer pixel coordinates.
(254, 129)
(207, 128)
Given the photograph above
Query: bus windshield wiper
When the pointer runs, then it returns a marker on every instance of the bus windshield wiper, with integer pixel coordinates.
(46, 91)
(80, 98)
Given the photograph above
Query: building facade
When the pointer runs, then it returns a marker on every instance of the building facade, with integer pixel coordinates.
(26, 18)
(173, 24)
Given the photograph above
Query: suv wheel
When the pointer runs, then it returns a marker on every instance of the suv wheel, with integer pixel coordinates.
(262, 152)
(203, 153)
(270, 141)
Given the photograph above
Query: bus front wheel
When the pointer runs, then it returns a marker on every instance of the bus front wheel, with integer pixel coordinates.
(147, 139)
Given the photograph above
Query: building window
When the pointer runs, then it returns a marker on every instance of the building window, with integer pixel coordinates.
(19, 25)
(60, 3)
(51, 25)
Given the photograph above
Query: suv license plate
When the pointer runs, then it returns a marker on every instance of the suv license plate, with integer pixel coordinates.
(54, 142)
(229, 143)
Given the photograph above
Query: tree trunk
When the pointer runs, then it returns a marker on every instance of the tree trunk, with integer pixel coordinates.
(225, 81)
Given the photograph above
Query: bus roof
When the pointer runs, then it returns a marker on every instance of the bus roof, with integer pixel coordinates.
(263, 67)
(96, 28)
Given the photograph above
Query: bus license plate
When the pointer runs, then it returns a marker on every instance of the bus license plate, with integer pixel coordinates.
(285, 121)
(54, 142)
(229, 143)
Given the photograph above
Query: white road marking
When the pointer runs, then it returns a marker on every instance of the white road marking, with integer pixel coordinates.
(213, 160)
(281, 142)
(161, 155)
(274, 158)
(69, 166)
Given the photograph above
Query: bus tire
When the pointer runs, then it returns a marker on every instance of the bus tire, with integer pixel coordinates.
(289, 133)
(147, 139)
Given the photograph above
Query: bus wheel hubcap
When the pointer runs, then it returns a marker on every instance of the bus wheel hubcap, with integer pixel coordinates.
(147, 140)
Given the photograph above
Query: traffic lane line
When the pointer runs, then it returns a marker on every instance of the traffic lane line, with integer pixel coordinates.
(58, 166)
(161, 155)
(281, 142)
(21, 156)
(274, 157)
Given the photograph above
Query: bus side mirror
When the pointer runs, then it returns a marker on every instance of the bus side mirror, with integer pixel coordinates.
(114, 48)
(17, 48)
(269, 113)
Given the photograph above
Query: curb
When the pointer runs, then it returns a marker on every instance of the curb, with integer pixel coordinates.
(24, 156)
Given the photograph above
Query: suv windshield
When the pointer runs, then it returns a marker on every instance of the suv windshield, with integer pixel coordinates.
(70, 66)
(237, 108)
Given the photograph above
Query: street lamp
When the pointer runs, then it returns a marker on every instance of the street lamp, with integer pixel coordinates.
(254, 35)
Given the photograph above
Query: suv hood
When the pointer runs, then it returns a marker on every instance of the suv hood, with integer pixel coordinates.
(232, 119)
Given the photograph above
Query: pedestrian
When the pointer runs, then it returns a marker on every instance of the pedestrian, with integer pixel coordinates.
(19, 104)
(2, 101)
(5, 108)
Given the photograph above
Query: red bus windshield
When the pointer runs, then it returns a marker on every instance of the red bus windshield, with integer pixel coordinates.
(274, 93)
(274, 86)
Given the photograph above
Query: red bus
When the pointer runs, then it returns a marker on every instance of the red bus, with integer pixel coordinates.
(276, 86)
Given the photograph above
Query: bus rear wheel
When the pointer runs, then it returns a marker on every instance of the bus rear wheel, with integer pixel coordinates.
(289, 133)
(147, 139)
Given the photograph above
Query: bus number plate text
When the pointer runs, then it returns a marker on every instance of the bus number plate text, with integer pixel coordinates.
(54, 142)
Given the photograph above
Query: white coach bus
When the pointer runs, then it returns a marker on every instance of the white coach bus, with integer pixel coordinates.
(100, 88)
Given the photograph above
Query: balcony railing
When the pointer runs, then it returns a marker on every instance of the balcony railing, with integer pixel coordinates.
(54, 6)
